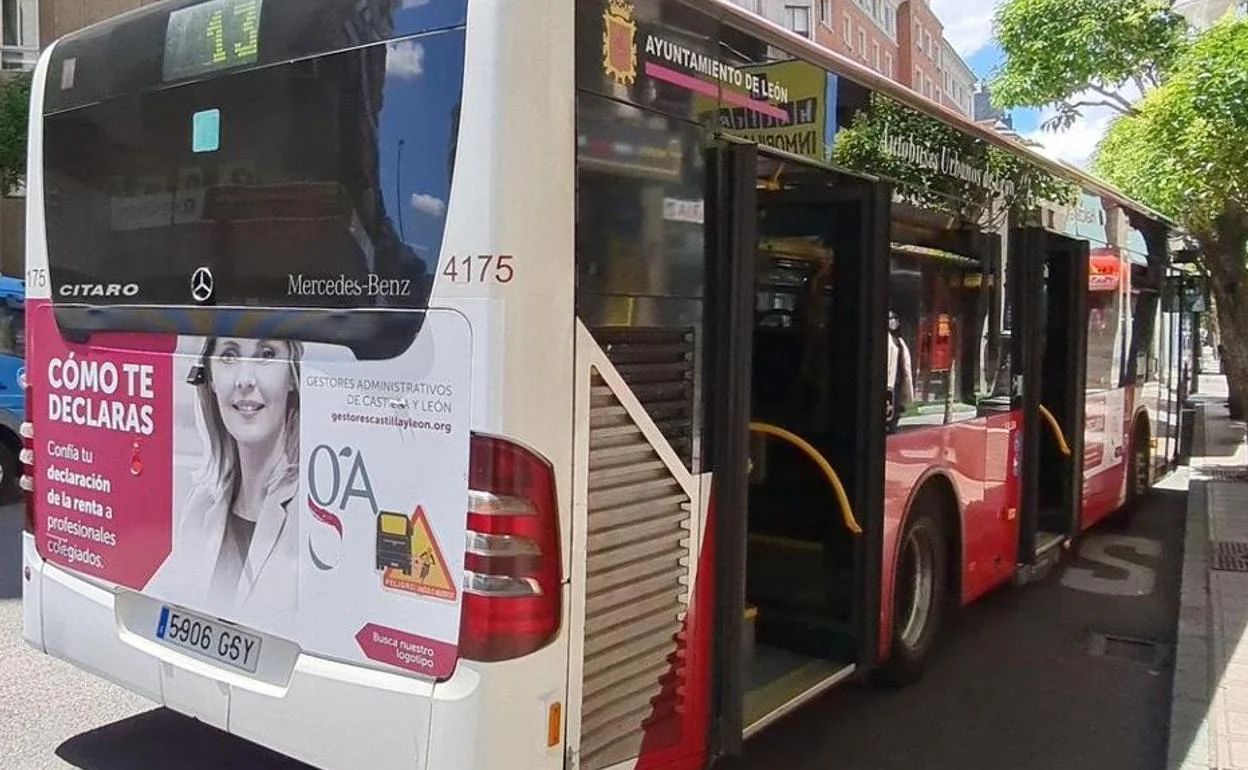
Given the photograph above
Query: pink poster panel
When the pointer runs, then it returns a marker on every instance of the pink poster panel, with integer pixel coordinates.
(103, 438)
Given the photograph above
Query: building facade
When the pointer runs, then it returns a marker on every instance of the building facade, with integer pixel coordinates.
(58, 18)
(19, 34)
(957, 81)
(1203, 14)
(921, 37)
(864, 30)
(985, 112)
(795, 15)
(901, 39)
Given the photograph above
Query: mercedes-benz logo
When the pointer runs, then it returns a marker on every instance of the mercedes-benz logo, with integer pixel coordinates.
(202, 285)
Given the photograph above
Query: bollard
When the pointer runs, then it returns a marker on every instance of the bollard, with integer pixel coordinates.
(1187, 432)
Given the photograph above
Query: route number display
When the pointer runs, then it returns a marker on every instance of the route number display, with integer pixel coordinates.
(212, 36)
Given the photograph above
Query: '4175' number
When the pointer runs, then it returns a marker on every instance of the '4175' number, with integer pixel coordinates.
(483, 268)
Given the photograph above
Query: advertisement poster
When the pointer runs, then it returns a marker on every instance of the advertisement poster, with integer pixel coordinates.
(809, 125)
(284, 486)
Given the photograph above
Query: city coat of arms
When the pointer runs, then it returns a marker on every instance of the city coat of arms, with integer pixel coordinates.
(619, 42)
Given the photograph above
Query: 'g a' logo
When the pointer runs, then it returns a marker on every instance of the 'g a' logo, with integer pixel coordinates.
(329, 498)
(619, 42)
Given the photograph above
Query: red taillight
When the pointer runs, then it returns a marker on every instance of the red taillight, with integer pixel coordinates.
(513, 586)
(27, 459)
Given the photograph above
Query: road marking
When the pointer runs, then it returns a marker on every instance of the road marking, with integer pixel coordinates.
(1136, 579)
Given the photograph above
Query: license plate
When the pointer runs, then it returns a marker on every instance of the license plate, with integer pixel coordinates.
(211, 639)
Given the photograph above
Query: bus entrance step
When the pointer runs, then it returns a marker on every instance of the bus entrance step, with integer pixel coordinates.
(1048, 555)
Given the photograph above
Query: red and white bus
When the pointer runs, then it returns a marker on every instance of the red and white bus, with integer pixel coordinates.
(500, 384)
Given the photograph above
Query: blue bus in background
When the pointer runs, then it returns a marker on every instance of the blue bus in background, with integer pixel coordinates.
(12, 394)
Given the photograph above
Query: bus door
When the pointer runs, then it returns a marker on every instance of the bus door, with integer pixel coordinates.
(799, 259)
(1051, 301)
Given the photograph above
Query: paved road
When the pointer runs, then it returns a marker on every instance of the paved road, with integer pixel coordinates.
(55, 716)
(1015, 683)
(1014, 686)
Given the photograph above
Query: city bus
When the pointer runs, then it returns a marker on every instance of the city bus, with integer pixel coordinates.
(486, 385)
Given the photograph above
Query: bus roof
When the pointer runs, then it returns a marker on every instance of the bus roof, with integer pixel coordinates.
(813, 53)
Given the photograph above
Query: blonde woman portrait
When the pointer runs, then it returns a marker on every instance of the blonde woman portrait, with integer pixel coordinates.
(235, 549)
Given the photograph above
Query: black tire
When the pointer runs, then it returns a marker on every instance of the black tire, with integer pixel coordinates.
(920, 593)
(10, 471)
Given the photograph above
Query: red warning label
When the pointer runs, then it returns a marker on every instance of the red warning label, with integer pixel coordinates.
(425, 572)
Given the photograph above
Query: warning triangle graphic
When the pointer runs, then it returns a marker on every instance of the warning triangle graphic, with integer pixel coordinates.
(428, 574)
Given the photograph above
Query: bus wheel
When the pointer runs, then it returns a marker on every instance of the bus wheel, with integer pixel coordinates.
(9, 473)
(919, 593)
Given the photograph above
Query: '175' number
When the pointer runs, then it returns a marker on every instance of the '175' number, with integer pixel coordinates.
(492, 268)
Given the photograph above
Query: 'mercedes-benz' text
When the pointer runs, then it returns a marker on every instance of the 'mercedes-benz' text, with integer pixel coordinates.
(371, 285)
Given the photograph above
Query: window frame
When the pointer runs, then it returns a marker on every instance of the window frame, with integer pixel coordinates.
(791, 16)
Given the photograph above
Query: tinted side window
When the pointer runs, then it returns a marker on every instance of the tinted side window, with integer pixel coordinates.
(939, 307)
(1104, 308)
(640, 256)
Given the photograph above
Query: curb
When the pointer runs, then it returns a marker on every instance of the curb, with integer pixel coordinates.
(1193, 737)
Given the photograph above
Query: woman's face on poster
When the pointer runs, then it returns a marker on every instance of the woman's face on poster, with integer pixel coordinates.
(252, 382)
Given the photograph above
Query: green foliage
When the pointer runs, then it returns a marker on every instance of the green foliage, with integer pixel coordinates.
(14, 121)
(1074, 54)
(1010, 182)
(1186, 151)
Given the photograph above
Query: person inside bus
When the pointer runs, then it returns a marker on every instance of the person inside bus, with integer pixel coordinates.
(900, 375)
(237, 536)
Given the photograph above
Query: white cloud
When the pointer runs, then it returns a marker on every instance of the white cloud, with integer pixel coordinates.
(968, 23)
(428, 204)
(405, 59)
(1078, 143)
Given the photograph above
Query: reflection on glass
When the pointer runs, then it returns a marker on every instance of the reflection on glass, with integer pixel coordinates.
(328, 183)
(640, 256)
(938, 311)
(12, 331)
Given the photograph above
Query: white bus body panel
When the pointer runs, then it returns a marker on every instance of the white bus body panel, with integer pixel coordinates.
(32, 594)
(330, 714)
(512, 194)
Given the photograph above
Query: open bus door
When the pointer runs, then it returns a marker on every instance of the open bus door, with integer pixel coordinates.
(755, 200)
(1050, 300)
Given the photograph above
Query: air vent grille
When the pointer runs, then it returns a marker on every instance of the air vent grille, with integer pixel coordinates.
(637, 576)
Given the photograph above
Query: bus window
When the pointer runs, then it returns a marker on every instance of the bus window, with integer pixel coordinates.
(348, 210)
(1104, 323)
(640, 256)
(12, 331)
(937, 314)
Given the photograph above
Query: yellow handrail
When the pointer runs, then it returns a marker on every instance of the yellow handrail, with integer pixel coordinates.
(1062, 446)
(847, 511)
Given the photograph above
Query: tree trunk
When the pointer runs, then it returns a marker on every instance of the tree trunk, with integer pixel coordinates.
(1225, 252)
(1233, 322)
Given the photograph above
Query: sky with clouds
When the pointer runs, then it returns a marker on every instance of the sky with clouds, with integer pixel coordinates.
(968, 27)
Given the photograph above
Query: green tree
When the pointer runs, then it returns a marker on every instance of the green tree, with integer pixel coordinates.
(1009, 179)
(14, 120)
(1073, 54)
(1185, 152)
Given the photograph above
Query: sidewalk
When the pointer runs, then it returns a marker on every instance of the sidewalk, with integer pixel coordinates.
(1209, 707)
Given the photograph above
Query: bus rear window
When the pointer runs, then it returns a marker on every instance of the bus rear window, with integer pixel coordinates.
(318, 183)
